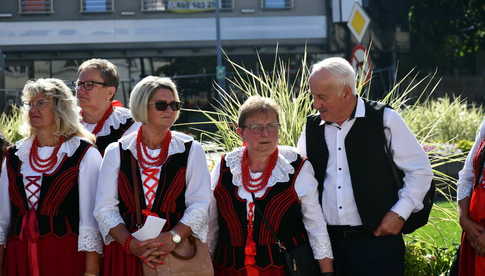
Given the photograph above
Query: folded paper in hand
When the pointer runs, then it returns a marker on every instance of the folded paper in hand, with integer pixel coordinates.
(151, 229)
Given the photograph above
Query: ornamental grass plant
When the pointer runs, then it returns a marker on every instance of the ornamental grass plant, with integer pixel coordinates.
(10, 123)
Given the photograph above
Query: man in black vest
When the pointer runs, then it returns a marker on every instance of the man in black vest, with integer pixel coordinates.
(345, 144)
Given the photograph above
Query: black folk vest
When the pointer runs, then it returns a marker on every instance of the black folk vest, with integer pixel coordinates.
(169, 202)
(370, 171)
(102, 142)
(58, 206)
(281, 207)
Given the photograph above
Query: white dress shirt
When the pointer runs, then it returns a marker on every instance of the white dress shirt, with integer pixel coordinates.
(119, 116)
(89, 238)
(306, 189)
(197, 193)
(466, 175)
(339, 205)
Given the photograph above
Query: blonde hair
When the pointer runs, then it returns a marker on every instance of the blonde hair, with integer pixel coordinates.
(66, 109)
(257, 104)
(143, 92)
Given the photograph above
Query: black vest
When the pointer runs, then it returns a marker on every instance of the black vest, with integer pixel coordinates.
(102, 142)
(169, 202)
(58, 206)
(281, 207)
(370, 171)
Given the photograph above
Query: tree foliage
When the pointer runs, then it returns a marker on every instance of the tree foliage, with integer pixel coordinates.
(446, 32)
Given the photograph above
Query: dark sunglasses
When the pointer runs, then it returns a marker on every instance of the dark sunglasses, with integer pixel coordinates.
(163, 105)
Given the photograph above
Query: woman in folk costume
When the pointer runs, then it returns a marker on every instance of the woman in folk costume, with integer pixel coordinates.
(285, 197)
(170, 172)
(95, 88)
(47, 189)
(471, 202)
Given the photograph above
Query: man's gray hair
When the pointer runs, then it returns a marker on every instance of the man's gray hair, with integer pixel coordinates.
(339, 68)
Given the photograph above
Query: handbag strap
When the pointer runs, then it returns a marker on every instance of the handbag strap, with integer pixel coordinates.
(268, 225)
(136, 191)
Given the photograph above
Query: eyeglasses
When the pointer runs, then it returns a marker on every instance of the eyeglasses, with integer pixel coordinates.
(87, 85)
(40, 104)
(259, 129)
(163, 105)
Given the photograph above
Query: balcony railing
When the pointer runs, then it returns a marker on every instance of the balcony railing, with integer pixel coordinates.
(277, 4)
(35, 6)
(96, 6)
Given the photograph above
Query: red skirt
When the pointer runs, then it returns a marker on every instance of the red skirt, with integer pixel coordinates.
(470, 263)
(117, 262)
(269, 271)
(57, 256)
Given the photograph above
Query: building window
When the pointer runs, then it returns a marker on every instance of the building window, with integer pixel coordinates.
(277, 4)
(153, 5)
(96, 5)
(226, 4)
(35, 6)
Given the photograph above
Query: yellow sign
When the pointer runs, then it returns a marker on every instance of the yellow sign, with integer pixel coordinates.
(190, 5)
(358, 21)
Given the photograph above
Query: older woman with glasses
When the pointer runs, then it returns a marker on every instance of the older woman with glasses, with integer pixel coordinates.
(152, 172)
(264, 195)
(47, 189)
(95, 88)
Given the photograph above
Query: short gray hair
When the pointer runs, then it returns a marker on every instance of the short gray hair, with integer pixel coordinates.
(143, 92)
(340, 69)
(66, 110)
(254, 105)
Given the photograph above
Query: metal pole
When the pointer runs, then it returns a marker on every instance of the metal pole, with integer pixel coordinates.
(220, 70)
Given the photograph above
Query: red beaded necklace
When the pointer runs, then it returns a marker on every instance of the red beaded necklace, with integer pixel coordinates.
(105, 117)
(254, 185)
(43, 165)
(142, 151)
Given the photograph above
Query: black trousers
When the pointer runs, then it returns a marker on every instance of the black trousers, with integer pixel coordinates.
(358, 253)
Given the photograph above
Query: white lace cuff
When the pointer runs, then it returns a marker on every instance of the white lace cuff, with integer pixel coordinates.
(321, 247)
(106, 221)
(89, 240)
(464, 190)
(197, 221)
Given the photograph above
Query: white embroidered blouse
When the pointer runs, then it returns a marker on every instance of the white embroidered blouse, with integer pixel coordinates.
(119, 116)
(466, 175)
(89, 238)
(197, 193)
(306, 189)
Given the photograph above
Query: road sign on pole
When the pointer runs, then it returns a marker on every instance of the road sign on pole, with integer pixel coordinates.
(358, 22)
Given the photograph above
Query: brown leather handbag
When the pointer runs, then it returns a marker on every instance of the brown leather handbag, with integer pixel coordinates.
(190, 258)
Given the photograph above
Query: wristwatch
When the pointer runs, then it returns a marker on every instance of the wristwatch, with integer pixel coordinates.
(176, 238)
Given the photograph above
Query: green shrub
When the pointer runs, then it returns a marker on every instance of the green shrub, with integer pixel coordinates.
(423, 258)
(450, 119)
(465, 145)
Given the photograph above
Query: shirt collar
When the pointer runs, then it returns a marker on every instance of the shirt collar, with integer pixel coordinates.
(358, 112)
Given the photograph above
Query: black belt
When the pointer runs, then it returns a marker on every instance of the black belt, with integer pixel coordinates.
(348, 232)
